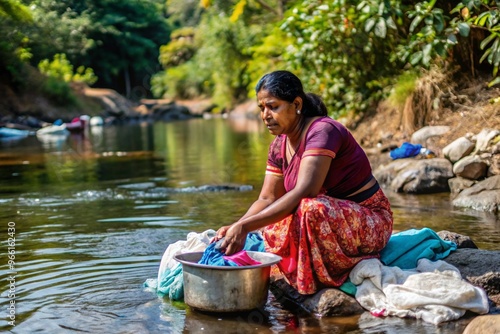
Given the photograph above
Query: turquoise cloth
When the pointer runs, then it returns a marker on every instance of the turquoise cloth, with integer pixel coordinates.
(404, 249)
(171, 283)
(348, 287)
(214, 257)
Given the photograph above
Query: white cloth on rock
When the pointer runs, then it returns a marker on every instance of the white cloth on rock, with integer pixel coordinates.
(434, 291)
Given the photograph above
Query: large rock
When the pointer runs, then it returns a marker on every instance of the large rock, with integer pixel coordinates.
(485, 324)
(326, 302)
(462, 241)
(470, 167)
(457, 184)
(170, 111)
(483, 196)
(112, 103)
(387, 172)
(416, 176)
(420, 136)
(494, 168)
(458, 149)
(484, 138)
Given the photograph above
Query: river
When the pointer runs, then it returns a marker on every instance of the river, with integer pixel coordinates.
(92, 214)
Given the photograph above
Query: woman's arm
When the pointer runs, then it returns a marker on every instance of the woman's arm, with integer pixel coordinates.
(311, 177)
(272, 189)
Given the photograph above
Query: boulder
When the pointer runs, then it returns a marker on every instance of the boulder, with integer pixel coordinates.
(385, 173)
(471, 167)
(420, 136)
(484, 138)
(483, 196)
(457, 184)
(494, 168)
(326, 302)
(112, 103)
(458, 149)
(485, 324)
(412, 176)
(462, 241)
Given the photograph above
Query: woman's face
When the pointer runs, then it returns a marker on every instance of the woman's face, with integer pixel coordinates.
(279, 116)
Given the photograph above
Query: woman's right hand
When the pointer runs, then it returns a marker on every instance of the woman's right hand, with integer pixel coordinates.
(221, 233)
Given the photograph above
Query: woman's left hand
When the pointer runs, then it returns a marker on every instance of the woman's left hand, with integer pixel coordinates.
(234, 240)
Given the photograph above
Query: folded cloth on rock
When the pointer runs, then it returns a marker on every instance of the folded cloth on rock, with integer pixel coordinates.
(405, 248)
(406, 150)
(215, 257)
(434, 291)
(169, 280)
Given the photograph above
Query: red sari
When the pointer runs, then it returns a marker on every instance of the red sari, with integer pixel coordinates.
(326, 237)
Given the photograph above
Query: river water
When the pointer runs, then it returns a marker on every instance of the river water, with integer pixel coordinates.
(92, 215)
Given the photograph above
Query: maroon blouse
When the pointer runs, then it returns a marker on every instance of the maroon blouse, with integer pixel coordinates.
(349, 171)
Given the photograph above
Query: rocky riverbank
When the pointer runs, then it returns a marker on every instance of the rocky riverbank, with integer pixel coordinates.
(28, 112)
(479, 267)
(468, 168)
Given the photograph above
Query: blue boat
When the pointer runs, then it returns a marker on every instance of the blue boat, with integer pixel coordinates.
(13, 133)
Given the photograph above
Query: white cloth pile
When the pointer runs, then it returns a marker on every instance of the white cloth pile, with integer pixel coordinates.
(195, 242)
(170, 280)
(434, 291)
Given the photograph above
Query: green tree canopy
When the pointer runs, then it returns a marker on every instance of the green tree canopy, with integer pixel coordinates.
(120, 40)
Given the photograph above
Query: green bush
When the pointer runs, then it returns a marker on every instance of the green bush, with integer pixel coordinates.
(60, 68)
(182, 82)
(59, 92)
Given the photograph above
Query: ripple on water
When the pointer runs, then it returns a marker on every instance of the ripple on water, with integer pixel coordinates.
(102, 287)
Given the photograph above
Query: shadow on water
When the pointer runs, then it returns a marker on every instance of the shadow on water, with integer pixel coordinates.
(93, 215)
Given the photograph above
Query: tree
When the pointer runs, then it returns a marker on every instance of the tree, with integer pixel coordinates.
(13, 50)
(118, 39)
(226, 45)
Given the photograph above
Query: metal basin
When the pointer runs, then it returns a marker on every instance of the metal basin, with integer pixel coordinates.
(225, 288)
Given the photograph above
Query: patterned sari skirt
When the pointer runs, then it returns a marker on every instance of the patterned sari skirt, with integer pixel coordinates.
(326, 237)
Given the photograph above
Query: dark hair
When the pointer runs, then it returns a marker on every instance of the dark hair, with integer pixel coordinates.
(287, 86)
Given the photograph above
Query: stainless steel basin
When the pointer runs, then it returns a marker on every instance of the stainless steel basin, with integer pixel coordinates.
(225, 288)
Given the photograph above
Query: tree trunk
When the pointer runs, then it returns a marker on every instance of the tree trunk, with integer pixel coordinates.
(127, 82)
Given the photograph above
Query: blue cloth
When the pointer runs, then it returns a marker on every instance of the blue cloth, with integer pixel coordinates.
(213, 256)
(406, 150)
(404, 249)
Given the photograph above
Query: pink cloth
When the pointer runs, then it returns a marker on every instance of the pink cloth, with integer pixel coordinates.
(241, 259)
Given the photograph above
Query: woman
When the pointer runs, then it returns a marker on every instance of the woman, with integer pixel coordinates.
(320, 207)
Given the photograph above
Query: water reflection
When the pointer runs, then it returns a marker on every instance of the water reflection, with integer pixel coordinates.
(95, 213)
(436, 212)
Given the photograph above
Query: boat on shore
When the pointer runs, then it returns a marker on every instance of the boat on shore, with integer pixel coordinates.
(13, 133)
(53, 130)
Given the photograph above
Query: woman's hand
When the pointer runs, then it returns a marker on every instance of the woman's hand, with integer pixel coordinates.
(221, 233)
(234, 238)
